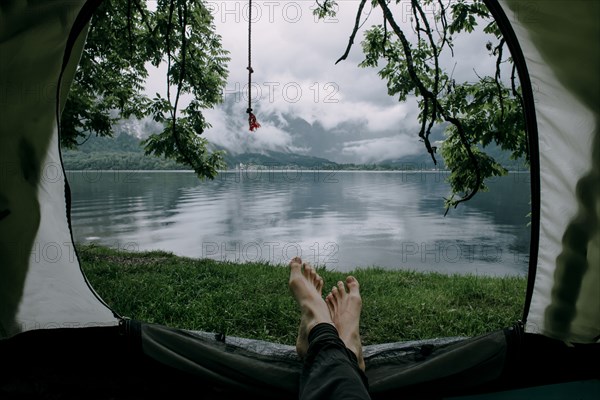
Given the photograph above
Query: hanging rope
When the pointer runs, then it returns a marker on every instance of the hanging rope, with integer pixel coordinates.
(254, 125)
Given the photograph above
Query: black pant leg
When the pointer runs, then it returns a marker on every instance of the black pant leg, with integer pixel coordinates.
(331, 370)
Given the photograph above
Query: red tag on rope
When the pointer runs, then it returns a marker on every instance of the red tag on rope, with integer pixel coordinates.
(254, 125)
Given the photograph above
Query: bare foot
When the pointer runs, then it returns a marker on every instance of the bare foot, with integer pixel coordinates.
(345, 312)
(306, 286)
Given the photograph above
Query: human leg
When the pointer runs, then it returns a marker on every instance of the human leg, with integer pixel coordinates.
(333, 367)
(345, 311)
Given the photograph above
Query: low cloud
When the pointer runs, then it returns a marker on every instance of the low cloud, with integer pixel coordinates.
(232, 133)
(383, 148)
(328, 104)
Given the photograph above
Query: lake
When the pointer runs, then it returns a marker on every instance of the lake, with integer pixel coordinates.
(341, 219)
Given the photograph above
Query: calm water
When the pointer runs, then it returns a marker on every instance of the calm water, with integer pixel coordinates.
(340, 219)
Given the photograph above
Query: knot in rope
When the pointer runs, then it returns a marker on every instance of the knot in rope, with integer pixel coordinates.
(253, 124)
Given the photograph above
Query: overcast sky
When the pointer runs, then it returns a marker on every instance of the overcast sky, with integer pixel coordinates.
(293, 56)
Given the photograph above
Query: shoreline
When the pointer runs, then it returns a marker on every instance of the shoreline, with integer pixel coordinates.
(431, 171)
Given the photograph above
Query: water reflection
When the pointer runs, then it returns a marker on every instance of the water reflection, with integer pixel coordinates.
(341, 219)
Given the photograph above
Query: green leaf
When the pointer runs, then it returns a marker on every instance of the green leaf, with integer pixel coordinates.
(110, 81)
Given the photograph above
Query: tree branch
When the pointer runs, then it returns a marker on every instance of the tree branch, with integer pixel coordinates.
(183, 23)
(516, 93)
(129, 22)
(444, 22)
(411, 68)
(429, 95)
(180, 147)
(144, 17)
(383, 43)
(323, 6)
(497, 77)
(354, 31)
(436, 53)
(418, 28)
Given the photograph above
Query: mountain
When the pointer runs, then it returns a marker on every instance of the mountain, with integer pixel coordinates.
(284, 140)
(122, 152)
(126, 152)
(276, 159)
(424, 161)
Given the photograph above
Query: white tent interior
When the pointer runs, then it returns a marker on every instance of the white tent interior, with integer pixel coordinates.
(556, 47)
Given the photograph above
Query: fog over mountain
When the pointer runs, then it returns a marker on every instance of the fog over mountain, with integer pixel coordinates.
(351, 141)
(299, 143)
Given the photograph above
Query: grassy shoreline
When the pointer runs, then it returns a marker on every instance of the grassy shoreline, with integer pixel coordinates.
(252, 299)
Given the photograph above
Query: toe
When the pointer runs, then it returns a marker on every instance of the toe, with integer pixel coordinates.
(353, 290)
(353, 286)
(295, 268)
(341, 288)
(331, 302)
(319, 284)
(306, 270)
(317, 280)
(336, 292)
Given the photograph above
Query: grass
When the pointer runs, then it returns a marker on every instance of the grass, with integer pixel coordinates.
(252, 299)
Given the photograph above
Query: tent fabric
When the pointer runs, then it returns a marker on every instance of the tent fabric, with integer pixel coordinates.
(112, 362)
(560, 42)
(43, 290)
(42, 285)
(263, 367)
(273, 370)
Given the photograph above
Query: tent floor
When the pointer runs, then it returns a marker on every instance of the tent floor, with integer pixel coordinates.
(104, 363)
(89, 363)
